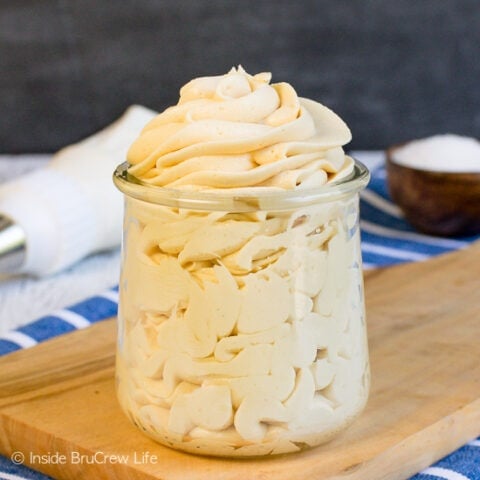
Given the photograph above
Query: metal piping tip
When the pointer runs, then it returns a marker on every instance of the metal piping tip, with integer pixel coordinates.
(13, 245)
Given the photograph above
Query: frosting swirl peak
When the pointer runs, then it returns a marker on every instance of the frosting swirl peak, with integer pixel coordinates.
(238, 131)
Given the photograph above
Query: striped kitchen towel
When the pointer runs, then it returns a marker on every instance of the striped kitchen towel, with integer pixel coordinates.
(75, 317)
(387, 239)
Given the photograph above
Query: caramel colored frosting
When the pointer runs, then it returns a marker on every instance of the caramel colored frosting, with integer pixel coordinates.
(240, 131)
(242, 333)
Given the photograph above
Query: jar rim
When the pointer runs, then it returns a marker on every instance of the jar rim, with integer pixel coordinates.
(237, 200)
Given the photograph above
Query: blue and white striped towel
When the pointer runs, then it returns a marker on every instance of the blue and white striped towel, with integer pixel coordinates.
(386, 240)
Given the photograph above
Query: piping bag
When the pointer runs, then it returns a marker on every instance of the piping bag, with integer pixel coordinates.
(54, 216)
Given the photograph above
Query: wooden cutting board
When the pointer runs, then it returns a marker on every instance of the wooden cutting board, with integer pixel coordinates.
(424, 332)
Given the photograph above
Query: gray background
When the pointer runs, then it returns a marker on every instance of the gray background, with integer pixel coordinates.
(393, 69)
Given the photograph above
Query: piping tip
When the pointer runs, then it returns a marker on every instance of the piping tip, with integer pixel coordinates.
(13, 245)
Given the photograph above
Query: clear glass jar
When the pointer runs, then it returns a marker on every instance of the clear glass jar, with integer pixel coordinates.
(241, 321)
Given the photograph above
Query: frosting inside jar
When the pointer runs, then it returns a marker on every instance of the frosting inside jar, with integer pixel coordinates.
(242, 333)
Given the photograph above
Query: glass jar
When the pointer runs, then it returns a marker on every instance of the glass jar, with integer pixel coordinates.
(241, 320)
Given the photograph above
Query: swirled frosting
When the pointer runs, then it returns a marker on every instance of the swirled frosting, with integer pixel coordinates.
(240, 131)
(242, 333)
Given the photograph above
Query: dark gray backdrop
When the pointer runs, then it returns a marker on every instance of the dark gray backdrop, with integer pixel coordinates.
(393, 69)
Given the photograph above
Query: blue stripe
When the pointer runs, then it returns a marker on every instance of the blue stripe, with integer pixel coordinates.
(6, 466)
(405, 245)
(373, 214)
(6, 346)
(378, 184)
(46, 327)
(465, 460)
(378, 260)
(95, 308)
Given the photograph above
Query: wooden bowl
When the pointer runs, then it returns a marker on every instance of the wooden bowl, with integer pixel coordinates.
(436, 203)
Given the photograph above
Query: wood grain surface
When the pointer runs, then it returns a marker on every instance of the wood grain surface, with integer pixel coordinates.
(424, 326)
